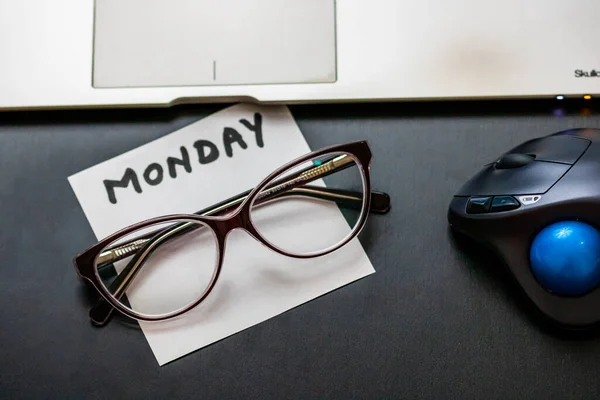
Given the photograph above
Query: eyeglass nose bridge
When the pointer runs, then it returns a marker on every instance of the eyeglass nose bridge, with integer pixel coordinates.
(237, 220)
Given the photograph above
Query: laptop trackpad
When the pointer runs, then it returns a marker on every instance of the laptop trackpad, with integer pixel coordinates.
(141, 43)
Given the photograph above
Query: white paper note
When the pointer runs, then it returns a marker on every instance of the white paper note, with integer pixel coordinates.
(256, 283)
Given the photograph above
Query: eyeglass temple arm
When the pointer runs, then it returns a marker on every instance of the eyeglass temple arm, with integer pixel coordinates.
(145, 245)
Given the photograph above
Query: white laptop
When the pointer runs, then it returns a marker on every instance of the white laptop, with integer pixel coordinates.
(124, 53)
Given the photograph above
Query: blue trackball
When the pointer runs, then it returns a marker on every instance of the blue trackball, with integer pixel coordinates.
(565, 258)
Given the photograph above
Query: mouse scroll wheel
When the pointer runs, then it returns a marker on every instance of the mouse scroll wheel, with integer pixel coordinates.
(514, 160)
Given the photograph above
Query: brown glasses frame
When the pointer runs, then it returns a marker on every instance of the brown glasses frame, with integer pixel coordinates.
(238, 215)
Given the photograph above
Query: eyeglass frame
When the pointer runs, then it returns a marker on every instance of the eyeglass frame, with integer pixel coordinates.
(238, 215)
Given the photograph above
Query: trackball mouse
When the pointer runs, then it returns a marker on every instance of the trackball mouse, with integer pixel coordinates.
(538, 207)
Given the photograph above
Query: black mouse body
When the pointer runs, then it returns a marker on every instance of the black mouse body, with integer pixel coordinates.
(540, 182)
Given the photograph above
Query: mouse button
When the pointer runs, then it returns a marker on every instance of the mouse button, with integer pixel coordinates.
(504, 203)
(534, 178)
(562, 149)
(479, 205)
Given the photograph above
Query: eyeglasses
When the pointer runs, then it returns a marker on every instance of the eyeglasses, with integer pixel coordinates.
(139, 270)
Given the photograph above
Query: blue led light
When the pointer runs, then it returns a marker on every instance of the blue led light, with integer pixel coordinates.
(560, 97)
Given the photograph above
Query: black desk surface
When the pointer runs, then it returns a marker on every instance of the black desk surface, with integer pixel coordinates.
(439, 319)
